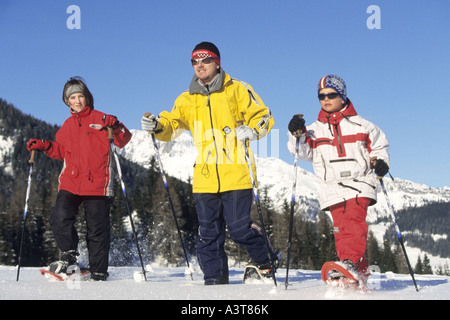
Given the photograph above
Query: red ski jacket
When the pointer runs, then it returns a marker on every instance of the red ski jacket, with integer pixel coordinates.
(82, 143)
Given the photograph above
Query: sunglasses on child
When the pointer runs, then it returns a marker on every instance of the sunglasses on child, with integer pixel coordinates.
(332, 95)
(207, 60)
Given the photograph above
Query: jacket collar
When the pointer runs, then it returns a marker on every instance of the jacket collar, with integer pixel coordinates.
(85, 112)
(336, 117)
(198, 87)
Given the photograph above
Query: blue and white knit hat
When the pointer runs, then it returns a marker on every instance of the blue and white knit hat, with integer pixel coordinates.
(335, 82)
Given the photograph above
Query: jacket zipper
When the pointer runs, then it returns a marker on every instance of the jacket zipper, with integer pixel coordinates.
(338, 136)
(78, 142)
(78, 119)
(208, 103)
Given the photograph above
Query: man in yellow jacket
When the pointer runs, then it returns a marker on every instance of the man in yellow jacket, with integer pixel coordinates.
(211, 110)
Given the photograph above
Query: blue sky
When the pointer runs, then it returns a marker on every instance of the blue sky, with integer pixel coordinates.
(134, 56)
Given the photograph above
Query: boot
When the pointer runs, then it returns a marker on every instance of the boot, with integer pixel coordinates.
(99, 276)
(67, 259)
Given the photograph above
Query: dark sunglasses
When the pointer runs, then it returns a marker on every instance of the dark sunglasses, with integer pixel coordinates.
(330, 96)
(207, 60)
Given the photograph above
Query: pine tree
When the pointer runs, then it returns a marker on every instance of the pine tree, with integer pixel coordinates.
(426, 265)
(418, 269)
(400, 260)
(443, 270)
(188, 219)
(326, 246)
(307, 250)
(268, 212)
(281, 231)
(373, 250)
(387, 261)
(166, 243)
(120, 252)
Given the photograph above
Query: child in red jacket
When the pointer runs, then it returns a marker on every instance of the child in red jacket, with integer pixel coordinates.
(86, 178)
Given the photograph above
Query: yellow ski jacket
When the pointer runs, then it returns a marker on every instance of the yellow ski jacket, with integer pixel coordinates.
(211, 114)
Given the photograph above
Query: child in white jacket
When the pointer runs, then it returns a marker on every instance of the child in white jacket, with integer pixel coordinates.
(342, 146)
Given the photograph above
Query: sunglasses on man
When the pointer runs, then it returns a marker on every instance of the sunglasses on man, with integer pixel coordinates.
(206, 60)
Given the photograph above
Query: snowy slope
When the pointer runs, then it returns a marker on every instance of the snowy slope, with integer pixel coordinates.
(171, 284)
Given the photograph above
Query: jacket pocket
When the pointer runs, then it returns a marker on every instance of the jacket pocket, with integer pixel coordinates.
(344, 169)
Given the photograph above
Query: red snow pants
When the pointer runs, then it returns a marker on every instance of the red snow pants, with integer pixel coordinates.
(350, 231)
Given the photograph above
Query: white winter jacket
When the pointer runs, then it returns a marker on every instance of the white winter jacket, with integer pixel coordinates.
(340, 145)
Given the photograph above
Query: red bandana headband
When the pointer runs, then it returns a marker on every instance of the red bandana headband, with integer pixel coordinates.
(203, 53)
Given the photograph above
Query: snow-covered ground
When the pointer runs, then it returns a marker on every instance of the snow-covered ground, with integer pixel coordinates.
(172, 284)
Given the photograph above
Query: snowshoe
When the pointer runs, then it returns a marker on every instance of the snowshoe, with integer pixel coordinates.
(341, 274)
(254, 272)
(62, 276)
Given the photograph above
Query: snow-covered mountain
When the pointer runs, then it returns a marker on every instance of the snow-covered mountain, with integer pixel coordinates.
(277, 176)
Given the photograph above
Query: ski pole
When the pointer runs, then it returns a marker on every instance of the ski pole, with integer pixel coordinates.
(166, 186)
(394, 221)
(291, 218)
(27, 197)
(119, 170)
(258, 205)
(397, 230)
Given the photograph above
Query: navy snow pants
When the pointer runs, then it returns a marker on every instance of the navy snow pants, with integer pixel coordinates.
(215, 212)
(62, 221)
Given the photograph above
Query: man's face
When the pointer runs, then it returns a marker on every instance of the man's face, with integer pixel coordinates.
(205, 69)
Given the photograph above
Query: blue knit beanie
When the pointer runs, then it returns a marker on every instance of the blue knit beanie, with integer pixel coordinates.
(334, 82)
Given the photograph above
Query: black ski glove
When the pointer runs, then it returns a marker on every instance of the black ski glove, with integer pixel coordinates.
(297, 123)
(380, 167)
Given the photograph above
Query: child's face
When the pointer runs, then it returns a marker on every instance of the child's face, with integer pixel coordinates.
(77, 101)
(331, 105)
